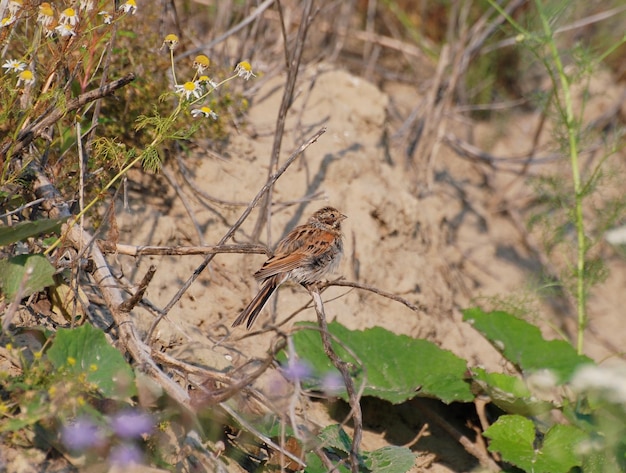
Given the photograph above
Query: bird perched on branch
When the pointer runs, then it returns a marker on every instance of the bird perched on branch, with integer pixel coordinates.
(305, 255)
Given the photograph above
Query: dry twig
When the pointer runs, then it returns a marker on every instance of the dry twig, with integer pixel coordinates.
(353, 398)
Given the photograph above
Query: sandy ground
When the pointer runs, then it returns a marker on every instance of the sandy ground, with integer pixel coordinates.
(445, 250)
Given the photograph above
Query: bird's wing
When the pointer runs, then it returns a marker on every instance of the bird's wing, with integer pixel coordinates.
(301, 245)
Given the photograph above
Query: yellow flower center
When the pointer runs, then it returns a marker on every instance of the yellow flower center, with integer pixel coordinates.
(202, 60)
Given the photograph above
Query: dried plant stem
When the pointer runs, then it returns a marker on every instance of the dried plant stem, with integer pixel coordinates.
(285, 105)
(353, 398)
(132, 250)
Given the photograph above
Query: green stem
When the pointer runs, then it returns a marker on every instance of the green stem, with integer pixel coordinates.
(570, 121)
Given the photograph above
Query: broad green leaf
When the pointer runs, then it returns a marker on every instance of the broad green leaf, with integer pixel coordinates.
(85, 351)
(333, 436)
(513, 436)
(391, 459)
(24, 230)
(315, 465)
(559, 449)
(13, 272)
(522, 344)
(509, 393)
(384, 460)
(394, 367)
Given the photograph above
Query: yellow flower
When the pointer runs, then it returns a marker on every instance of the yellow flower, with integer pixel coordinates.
(68, 17)
(46, 14)
(244, 69)
(71, 360)
(201, 63)
(65, 30)
(189, 90)
(6, 21)
(26, 77)
(204, 112)
(171, 41)
(106, 17)
(129, 6)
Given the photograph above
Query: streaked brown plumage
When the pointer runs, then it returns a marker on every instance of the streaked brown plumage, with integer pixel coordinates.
(305, 255)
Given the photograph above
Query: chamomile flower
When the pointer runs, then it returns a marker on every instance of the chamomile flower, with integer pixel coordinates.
(14, 6)
(129, 6)
(46, 14)
(6, 21)
(201, 63)
(13, 65)
(107, 18)
(244, 69)
(189, 90)
(65, 30)
(207, 82)
(26, 77)
(205, 112)
(171, 41)
(68, 17)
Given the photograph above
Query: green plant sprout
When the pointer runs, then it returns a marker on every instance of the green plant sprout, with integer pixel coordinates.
(562, 101)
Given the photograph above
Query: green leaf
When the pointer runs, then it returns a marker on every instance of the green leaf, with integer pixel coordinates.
(31, 411)
(522, 344)
(396, 367)
(333, 436)
(85, 351)
(513, 436)
(559, 449)
(391, 459)
(315, 465)
(13, 272)
(24, 230)
(509, 393)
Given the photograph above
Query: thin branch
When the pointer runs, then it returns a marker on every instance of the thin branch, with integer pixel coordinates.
(53, 115)
(131, 250)
(342, 366)
(380, 292)
(285, 105)
(128, 304)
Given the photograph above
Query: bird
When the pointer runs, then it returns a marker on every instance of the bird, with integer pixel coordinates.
(305, 255)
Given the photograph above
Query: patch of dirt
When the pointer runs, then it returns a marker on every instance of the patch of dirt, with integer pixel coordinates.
(460, 242)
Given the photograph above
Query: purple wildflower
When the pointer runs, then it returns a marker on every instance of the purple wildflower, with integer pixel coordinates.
(123, 455)
(131, 424)
(82, 434)
(332, 383)
(297, 370)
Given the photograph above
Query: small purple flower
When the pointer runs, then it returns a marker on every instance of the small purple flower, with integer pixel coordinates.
(131, 424)
(81, 434)
(297, 370)
(332, 383)
(123, 455)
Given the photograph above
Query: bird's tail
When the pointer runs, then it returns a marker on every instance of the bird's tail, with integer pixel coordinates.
(256, 305)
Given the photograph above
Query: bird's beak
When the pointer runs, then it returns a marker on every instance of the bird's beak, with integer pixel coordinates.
(343, 217)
